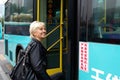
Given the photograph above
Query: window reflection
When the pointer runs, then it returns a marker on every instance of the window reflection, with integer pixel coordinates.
(20, 30)
(106, 18)
(19, 11)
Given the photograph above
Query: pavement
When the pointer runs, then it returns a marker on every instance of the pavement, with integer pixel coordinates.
(1, 46)
(5, 68)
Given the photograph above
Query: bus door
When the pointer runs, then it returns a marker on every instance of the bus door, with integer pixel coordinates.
(0, 31)
(54, 13)
(99, 40)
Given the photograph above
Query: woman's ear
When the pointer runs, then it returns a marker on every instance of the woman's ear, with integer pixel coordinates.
(34, 33)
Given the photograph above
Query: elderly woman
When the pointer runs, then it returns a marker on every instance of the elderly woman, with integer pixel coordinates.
(38, 52)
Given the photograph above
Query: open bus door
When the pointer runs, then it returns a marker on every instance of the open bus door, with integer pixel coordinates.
(0, 31)
(56, 39)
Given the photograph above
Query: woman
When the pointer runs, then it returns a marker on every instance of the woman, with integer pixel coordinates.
(38, 52)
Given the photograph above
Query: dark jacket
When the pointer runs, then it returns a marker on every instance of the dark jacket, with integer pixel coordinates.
(38, 59)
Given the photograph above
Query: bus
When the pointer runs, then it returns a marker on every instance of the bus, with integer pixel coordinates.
(97, 39)
(0, 30)
(83, 39)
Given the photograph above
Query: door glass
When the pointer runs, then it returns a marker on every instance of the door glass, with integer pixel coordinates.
(53, 20)
(53, 12)
(83, 21)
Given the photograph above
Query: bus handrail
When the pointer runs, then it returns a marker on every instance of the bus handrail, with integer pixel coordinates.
(56, 40)
(54, 44)
(53, 30)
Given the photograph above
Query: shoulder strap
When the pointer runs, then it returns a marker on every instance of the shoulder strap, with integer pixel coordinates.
(28, 48)
(26, 53)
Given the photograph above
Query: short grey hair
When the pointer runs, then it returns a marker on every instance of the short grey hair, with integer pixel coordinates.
(33, 26)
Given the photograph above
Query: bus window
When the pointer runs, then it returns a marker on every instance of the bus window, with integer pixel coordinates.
(102, 21)
(20, 30)
(107, 24)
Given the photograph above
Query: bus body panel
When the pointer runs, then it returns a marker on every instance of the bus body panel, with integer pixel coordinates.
(13, 41)
(102, 61)
(0, 30)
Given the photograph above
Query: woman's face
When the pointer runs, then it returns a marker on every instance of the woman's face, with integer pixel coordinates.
(40, 33)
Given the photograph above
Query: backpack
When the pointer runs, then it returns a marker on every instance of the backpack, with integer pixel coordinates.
(23, 70)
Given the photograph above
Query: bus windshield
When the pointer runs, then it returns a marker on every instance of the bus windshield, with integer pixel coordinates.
(18, 15)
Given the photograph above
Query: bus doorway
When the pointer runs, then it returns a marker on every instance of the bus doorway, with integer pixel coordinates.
(54, 13)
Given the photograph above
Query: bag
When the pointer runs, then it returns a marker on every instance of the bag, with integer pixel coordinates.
(23, 70)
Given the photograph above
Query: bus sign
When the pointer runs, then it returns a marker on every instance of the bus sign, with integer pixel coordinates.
(83, 56)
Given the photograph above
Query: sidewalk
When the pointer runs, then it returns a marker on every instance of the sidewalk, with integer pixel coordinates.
(3, 76)
(4, 72)
(1, 46)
